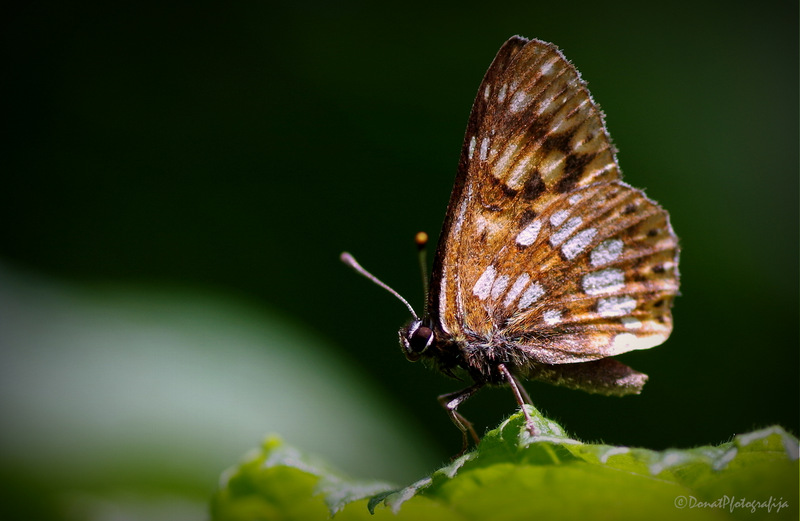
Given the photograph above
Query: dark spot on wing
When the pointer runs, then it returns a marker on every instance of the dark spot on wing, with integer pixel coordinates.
(489, 197)
(574, 166)
(527, 216)
(534, 187)
(560, 141)
(510, 192)
(539, 127)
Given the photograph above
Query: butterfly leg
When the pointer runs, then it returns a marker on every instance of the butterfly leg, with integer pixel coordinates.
(450, 402)
(521, 395)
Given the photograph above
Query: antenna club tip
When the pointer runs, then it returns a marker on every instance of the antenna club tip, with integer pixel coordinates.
(347, 258)
(421, 238)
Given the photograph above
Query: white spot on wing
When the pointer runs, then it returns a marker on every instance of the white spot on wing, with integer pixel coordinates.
(631, 322)
(603, 281)
(528, 235)
(573, 247)
(501, 164)
(552, 163)
(625, 342)
(486, 91)
(547, 104)
(471, 147)
(606, 252)
(491, 226)
(484, 148)
(552, 317)
(559, 217)
(604, 169)
(519, 101)
(574, 198)
(502, 94)
(558, 236)
(484, 284)
(443, 299)
(517, 174)
(462, 211)
(516, 289)
(531, 295)
(499, 286)
(547, 67)
(616, 306)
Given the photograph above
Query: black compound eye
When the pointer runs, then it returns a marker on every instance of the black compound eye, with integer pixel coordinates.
(420, 339)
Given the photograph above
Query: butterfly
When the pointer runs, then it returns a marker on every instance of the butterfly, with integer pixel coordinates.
(548, 264)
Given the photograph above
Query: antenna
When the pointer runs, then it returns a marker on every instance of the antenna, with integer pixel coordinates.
(350, 261)
(422, 242)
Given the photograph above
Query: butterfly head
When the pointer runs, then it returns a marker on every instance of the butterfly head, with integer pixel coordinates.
(415, 339)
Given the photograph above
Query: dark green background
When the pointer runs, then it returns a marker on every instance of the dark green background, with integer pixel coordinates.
(241, 148)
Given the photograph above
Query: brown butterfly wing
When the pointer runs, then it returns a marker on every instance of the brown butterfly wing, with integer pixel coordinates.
(543, 248)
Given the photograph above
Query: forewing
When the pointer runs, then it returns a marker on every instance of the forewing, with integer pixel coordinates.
(536, 199)
(442, 298)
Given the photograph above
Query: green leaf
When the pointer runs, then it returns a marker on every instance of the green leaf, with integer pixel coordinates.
(514, 476)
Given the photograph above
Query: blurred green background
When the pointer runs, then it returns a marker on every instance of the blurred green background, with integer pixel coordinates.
(178, 181)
